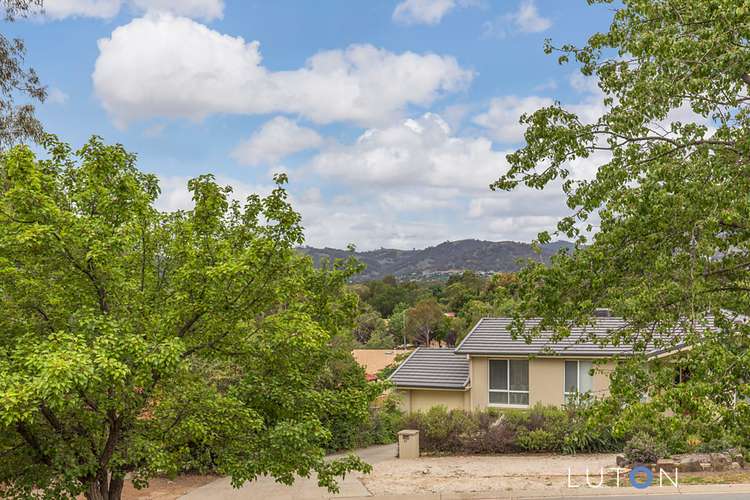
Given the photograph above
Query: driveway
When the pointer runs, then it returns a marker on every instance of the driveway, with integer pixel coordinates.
(303, 488)
(463, 478)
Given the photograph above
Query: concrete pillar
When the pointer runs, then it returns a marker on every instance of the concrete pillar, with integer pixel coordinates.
(408, 443)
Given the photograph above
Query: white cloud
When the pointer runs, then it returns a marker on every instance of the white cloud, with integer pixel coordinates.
(175, 194)
(60, 9)
(501, 119)
(525, 20)
(196, 9)
(415, 183)
(162, 65)
(528, 19)
(422, 11)
(56, 96)
(107, 9)
(408, 185)
(276, 139)
(420, 152)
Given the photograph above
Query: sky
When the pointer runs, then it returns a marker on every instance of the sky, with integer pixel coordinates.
(390, 117)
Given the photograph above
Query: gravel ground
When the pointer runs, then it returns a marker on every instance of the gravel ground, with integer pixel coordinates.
(467, 474)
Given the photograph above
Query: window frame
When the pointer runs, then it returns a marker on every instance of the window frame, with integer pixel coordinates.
(508, 391)
(567, 394)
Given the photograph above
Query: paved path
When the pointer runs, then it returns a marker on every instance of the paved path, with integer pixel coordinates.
(302, 489)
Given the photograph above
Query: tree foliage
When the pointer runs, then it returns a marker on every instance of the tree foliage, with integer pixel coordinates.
(17, 121)
(143, 342)
(670, 199)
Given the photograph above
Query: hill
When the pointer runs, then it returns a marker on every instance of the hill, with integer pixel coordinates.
(447, 258)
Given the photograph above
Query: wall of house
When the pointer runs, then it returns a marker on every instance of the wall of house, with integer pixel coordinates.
(480, 378)
(414, 400)
(546, 381)
(601, 378)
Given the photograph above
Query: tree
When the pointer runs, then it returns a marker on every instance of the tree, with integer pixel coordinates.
(136, 341)
(423, 321)
(367, 324)
(671, 196)
(17, 122)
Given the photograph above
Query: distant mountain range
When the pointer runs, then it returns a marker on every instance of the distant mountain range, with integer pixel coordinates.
(447, 258)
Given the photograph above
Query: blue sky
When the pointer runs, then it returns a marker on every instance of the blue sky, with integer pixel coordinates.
(390, 117)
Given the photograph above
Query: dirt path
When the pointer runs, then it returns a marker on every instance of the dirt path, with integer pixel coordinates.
(166, 489)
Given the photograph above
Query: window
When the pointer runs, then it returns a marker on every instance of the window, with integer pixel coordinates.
(578, 378)
(509, 382)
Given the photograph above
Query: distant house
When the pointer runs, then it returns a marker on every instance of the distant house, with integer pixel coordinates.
(374, 360)
(491, 368)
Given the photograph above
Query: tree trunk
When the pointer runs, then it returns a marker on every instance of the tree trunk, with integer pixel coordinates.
(105, 490)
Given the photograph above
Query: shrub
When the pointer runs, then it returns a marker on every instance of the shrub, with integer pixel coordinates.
(441, 430)
(643, 449)
(493, 433)
(539, 429)
(538, 440)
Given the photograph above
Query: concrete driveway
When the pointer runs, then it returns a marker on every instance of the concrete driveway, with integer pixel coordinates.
(302, 489)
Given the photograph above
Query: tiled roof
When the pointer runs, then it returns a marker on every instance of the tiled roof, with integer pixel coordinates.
(491, 336)
(433, 368)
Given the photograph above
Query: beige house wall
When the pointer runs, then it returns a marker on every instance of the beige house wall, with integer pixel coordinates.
(601, 378)
(546, 386)
(546, 380)
(414, 400)
(404, 400)
(479, 378)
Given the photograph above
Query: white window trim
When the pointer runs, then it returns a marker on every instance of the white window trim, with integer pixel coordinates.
(566, 394)
(489, 384)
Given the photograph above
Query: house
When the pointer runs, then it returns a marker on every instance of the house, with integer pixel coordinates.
(491, 368)
(374, 360)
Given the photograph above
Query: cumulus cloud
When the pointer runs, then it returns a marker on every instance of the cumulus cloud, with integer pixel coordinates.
(162, 65)
(198, 9)
(419, 151)
(422, 11)
(276, 139)
(528, 19)
(410, 184)
(502, 118)
(175, 195)
(107, 9)
(60, 9)
(524, 20)
(416, 183)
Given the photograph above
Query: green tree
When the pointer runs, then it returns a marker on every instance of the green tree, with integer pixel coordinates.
(117, 319)
(670, 195)
(17, 121)
(396, 323)
(367, 324)
(424, 322)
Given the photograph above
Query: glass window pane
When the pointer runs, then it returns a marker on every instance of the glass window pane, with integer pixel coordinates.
(585, 380)
(498, 374)
(519, 398)
(500, 398)
(571, 372)
(519, 375)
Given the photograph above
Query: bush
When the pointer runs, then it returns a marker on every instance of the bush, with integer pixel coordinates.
(441, 430)
(380, 427)
(537, 440)
(539, 429)
(643, 449)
